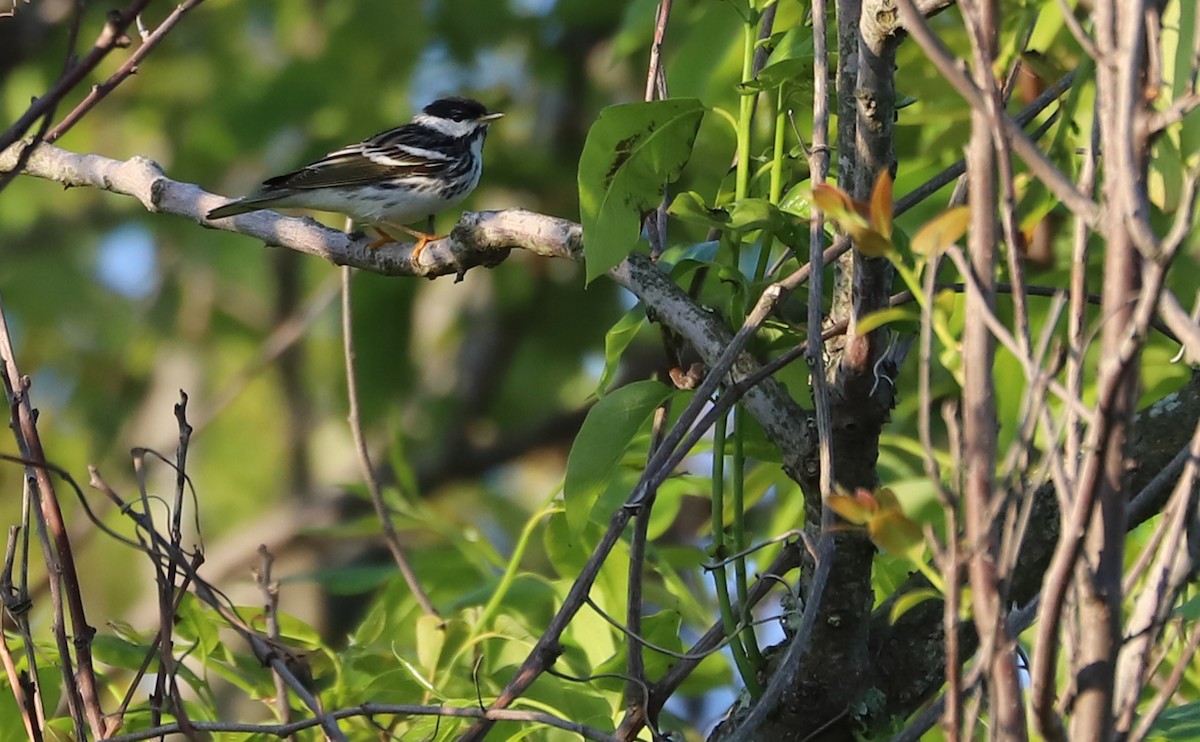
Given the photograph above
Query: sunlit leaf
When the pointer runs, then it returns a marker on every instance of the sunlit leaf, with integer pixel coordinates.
(835, 203)
(897, 534)
(850, 217)
(887, 499)
(798, 201)
(942, 231)
(882, 317)
(910, 600)
(869, 242)
(431, 637)
(852, 509)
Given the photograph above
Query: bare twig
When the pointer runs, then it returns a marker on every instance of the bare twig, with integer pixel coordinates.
(24, 690)
(267, 652)
(269, 588)
(656, 227)
(112, 36)
(129, 67)
(390, 536)
(80, 682)
(381, 709)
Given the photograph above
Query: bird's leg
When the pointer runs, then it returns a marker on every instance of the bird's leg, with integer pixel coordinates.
(423, 238)
(382, 239)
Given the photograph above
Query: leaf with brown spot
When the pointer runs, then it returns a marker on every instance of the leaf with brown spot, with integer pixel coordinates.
(631, 153)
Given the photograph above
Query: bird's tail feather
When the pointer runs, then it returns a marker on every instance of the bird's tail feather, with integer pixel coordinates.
(233, 209)
(253, 202)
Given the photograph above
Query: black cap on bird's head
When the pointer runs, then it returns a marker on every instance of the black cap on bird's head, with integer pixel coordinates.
(460, 109)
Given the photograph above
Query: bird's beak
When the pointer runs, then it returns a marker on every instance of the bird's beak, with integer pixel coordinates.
(489, 118)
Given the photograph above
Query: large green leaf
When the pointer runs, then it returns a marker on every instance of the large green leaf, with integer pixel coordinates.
(630, 153)
(616, 340)
(606, 433)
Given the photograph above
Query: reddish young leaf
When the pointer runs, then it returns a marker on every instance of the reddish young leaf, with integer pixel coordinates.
(869, 242)
(897, 534)
(881, 205)
(834, 202)
(851, 508)
(887, 499)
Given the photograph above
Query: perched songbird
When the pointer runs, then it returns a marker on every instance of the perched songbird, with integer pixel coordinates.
(392, 179)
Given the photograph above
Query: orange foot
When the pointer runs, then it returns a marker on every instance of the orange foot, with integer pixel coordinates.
(423, 239)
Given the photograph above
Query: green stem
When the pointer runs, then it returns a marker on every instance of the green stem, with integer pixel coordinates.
(934, 578)
(775, 189)
(745, 119)
(918, 292)
(510, 571)
(739, 533)
(719, 550)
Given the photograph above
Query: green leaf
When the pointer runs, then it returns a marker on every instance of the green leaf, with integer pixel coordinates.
(616, 340)
(897, 534)
(605, 435)
(910, 600)
(630, 153)
(118, 652)
(798, 201)
(431, 637)
(689, 207)
(756, 213)
(791, 60)
(1178, 724)
(881, 317)
(1189, 611)
(942, 231)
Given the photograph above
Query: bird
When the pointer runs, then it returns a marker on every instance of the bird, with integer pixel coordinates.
(391, 179)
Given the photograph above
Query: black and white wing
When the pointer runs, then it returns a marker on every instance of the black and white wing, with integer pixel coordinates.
(407, 151)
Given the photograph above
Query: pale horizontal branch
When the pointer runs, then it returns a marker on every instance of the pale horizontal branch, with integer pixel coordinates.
(479, 239)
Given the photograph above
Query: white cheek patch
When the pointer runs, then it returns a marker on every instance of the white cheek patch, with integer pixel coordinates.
(450, 128)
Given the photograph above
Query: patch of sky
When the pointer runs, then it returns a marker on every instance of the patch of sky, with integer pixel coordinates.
(127, 261)
(535, 8)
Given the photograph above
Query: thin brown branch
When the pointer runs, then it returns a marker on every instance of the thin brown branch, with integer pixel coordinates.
(129, 67)
(390, 536)
(24, 690)
(265, 651)
(380, 709)
(268, 587)
(112, 36)
(80, 682)
(980, 496)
